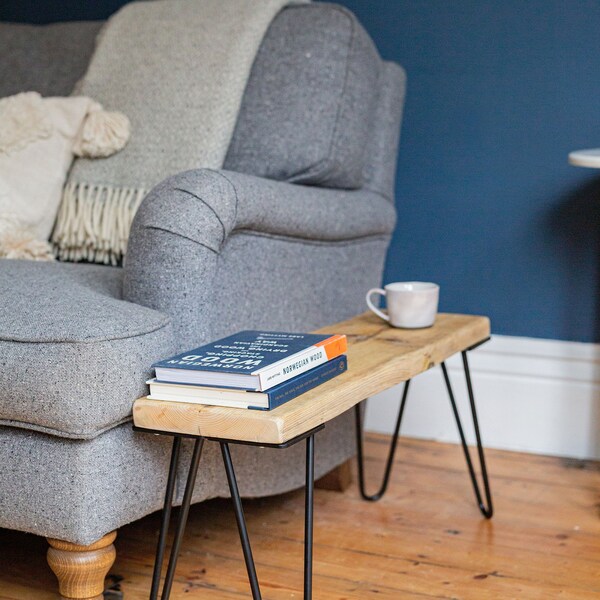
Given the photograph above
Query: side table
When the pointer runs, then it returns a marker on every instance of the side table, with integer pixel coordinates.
(379, 357)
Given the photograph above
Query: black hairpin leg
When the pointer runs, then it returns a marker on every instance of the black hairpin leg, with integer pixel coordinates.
(183, 515)
(308, 519)
(241, 521)
(392, 452)
(486, 511)
(239, 512)
(166, 516)
(309, 495)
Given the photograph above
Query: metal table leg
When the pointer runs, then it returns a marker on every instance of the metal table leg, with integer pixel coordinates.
(308, 518)
(486, 511)
(392, 452)
(181, 523)
(309, 495)
(238, 509)
(241, 521)
(166, 516)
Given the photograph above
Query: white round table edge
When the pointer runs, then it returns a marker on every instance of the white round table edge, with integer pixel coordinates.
(585, 158)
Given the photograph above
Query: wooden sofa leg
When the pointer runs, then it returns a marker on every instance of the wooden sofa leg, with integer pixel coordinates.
(338, 479)
(81, 569)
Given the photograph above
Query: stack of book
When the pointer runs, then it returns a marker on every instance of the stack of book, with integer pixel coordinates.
(251, 369)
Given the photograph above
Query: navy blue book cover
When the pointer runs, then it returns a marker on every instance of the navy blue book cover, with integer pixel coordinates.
(245, 352)
(287, 390)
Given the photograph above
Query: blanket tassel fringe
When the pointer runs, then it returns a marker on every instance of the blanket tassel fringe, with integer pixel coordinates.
(93, 222)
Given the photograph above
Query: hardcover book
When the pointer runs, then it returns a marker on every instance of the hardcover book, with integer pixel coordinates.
(230, 397)
(251, 360)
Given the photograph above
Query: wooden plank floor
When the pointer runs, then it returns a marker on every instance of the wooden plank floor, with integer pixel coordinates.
(424, 540)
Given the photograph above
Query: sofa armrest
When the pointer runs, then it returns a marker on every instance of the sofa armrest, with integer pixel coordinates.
(184, 222)
(207, 205)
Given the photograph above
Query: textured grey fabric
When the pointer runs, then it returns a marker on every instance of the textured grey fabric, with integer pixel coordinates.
(73, 355)
(48, 59)
(382, 152)
(309, 103)
(293, 292)
(184, 225)
(79, 490)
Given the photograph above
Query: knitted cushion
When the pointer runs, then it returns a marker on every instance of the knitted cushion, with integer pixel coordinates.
(310, 100)
(38, 138)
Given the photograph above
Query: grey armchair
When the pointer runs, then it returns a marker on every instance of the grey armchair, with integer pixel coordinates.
(289, 236)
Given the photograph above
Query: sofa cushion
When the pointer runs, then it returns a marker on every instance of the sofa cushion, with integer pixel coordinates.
(73, 355)
(310, 99)
(48, 59)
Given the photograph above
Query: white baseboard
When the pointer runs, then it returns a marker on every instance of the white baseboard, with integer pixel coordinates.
(533, 395)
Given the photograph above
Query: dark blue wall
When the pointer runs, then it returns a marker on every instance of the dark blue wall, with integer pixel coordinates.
(49, 11)
(499, 92)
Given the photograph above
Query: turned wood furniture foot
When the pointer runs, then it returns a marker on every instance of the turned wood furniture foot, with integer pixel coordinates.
(338, 479)
(81, 569)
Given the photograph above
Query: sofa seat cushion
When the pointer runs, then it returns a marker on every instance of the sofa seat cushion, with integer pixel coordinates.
(73, 355)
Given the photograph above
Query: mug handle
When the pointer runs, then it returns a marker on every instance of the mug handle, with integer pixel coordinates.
(371, 305)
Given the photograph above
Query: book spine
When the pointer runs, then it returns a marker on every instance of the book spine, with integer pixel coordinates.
(302, 362)
(299, 385)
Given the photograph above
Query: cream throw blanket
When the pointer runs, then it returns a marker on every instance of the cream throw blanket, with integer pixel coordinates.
(178, 70)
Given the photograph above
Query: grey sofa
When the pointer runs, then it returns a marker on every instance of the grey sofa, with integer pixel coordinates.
(288, 236)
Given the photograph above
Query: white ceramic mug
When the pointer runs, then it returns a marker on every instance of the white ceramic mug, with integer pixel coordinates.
(410, 304)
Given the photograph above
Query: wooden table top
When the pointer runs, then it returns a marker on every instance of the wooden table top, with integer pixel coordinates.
(379, 357)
